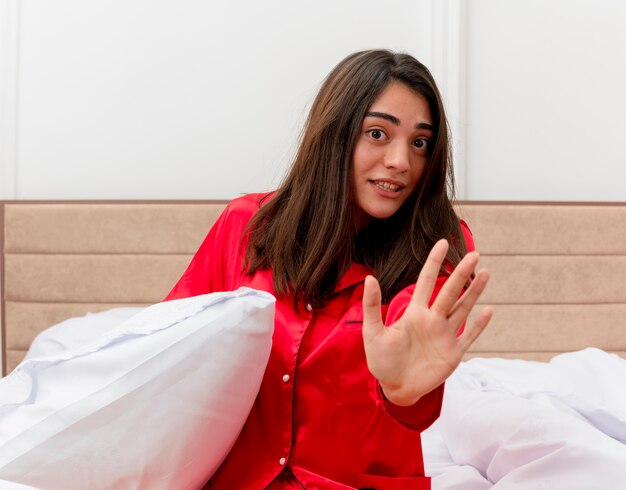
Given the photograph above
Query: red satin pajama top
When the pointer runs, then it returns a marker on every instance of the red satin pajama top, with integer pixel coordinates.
(320, 419)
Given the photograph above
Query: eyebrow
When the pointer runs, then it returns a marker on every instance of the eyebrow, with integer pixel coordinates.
(394, 120)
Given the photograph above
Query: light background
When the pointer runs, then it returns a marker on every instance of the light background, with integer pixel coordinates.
(191, 99)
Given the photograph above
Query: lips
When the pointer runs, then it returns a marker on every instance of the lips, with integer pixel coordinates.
(387, 185)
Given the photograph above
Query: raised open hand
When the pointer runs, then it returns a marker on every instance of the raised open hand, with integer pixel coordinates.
(417, 353)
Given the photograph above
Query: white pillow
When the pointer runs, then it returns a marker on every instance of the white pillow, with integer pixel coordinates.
(154, 403)
(76, 331)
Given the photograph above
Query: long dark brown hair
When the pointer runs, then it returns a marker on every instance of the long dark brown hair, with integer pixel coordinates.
(308, 233)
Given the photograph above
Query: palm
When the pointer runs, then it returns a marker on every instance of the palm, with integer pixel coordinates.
(418, 352)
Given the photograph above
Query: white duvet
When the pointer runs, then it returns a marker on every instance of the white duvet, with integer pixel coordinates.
(521, 425)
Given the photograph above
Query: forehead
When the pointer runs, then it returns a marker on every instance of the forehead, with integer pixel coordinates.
(398, 99)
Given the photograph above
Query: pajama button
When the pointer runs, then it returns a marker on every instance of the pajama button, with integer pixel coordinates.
(286, 378)
(282, 461)
(309, 307)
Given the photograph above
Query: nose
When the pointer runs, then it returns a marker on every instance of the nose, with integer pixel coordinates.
(397, 157)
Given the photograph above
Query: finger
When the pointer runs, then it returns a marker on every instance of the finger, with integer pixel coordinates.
(429, 273)
(372, 318)
(462, 308)
(469, 335)
(452, 288)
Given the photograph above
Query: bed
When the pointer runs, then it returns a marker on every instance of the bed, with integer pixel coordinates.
(540, 399)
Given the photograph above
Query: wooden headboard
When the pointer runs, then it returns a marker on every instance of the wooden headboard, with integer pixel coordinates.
(557, 274)
(64, 259)
(556, 268)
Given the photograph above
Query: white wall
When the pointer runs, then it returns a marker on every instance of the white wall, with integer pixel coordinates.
(185, 99)
(546, 100)
(173, 99)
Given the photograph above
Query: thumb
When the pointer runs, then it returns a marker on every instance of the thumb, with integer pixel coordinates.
(372, 319)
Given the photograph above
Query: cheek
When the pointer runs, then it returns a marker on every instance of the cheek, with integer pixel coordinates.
(359, 159)
(417, 172)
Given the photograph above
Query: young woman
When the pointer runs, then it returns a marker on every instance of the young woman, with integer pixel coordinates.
(360, 349)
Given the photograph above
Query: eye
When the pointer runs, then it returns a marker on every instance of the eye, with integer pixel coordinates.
(377, 134)
(420, 143)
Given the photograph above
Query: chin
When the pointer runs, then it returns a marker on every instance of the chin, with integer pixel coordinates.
(380, 213)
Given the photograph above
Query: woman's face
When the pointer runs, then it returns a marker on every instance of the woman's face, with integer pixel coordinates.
(391, 151)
